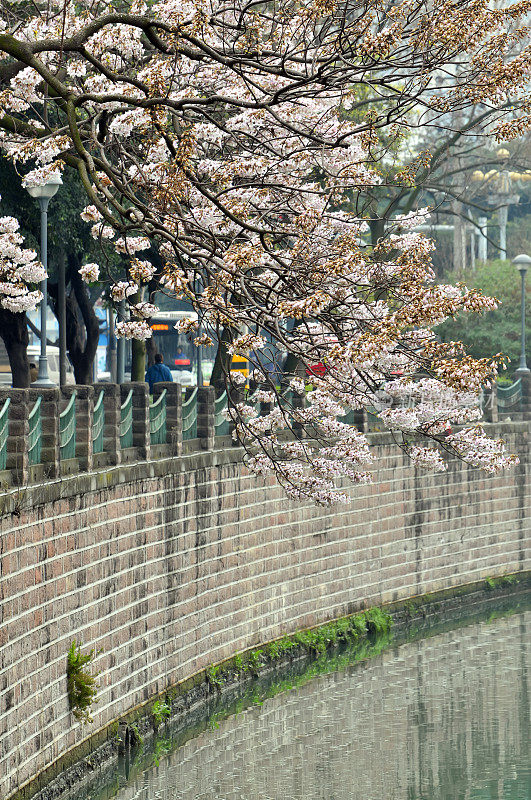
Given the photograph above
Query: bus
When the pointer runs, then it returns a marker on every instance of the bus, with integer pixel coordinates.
(181, 354)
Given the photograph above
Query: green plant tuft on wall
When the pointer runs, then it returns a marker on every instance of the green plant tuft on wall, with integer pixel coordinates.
(377, 621)
(315, 641)
(213, 676)
(137, 740)
(160, 711)
(81, 684)
(497, 583)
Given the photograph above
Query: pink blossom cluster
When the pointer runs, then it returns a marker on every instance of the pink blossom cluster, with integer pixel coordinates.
(90, 272)
(231, 140)
(133, 329)
(19, 270)
(479, 450)
(122, 290)
(144, 310)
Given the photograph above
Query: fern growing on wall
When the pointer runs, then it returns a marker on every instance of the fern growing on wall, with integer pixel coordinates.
(82, 686)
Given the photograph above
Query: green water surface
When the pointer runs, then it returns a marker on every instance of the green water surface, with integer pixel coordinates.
(445, 717)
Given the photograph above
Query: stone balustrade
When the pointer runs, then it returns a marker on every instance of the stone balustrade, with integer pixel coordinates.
(31, 448)
(33, 442)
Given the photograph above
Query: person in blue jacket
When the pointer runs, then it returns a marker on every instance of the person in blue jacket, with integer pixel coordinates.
(157, 372)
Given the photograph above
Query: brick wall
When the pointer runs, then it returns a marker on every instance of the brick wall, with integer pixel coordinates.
(169, 565)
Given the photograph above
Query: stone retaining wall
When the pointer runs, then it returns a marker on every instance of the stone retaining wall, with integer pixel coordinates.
(166, 566)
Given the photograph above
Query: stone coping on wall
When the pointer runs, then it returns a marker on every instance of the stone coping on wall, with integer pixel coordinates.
(49, 490)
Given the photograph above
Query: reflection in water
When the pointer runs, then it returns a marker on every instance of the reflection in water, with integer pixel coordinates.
(445, 718)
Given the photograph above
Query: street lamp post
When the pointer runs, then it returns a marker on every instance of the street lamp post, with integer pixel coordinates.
(112, 344)
(199, 286)
(120, 349)
(522, 263)
(44, 194)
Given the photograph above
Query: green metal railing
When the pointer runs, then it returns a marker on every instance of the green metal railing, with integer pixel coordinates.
(348, 418)
(190, 417)
(4, 431)
(221, 423)
(35, 433)
(98, 422)
(510, 397)
(67, 430)
(252, 401)
(157, 420)
(126, 421)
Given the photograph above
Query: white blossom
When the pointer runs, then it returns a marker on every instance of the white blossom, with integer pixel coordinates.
(90, 272)
(133, 329)
(122, 289)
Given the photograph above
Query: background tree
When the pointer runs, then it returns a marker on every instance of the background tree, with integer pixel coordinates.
(499, 328)
(69, 238)
(234, 139)
(454, 167)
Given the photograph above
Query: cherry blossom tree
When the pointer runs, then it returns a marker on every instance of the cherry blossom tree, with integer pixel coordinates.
(20, 274)
(234, 137)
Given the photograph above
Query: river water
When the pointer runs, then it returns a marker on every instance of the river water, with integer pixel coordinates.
(442, 718)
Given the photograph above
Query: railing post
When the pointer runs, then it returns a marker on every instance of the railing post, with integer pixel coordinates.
(206, 426)
(526, 396)
(84, 419)
(490, 407)
(111, 428)
(50, 454)
(361, 420)
(17, 440)
(141, 430)
(174, 404)
(235, 395)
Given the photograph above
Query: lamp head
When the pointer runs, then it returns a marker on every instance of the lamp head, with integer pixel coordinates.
(522, 262)
(47, 190)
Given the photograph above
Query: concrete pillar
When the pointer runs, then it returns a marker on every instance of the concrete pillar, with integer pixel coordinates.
(502, 217)
(50, 427)
(361, 420)
(235, 395)
(174, 416)
(459, 248)
(18, 429)
(490, 405)
(84, 420)
(482, 239)
(298, 401)
(206, 416)
(141, 433)
(526, 396)
(111, 426)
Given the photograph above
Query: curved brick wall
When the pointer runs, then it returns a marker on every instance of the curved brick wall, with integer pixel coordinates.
(170, 565)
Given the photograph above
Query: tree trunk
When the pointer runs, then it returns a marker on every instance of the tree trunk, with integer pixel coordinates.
(151, 350)
(377, 227)
(138, 349)
(151, 347)
(222, 362)
(138, 360)
(14, 332)
(82, 324)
